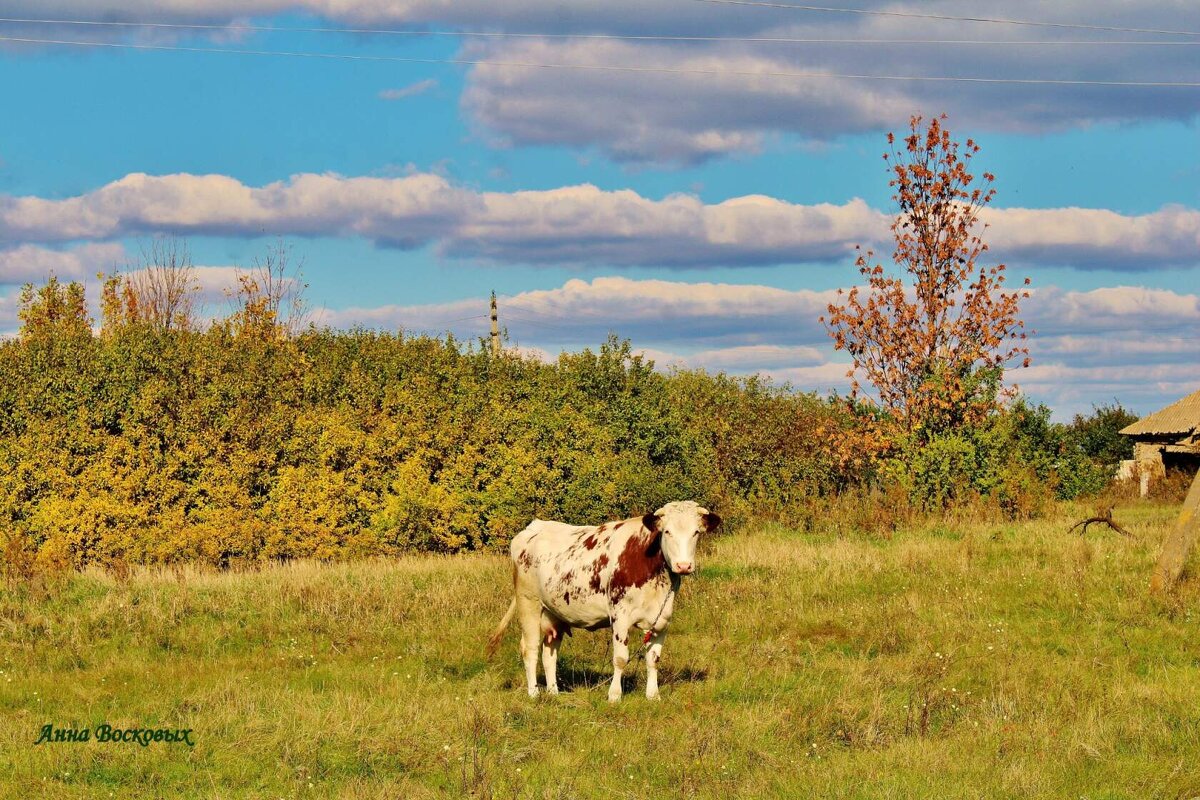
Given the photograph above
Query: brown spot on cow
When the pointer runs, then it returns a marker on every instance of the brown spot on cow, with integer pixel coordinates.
(597, 567)
(639, 562)
(566, 598)
(590, 541)
(524, 560)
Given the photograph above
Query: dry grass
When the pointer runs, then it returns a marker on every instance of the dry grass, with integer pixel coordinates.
(960, 660)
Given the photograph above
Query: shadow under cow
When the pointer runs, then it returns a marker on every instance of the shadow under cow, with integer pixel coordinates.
(572, 677)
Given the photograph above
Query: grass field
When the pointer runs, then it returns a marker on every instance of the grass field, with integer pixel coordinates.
(962, 660)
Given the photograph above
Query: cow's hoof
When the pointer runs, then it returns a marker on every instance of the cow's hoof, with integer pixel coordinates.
(533, 692)
(552, 690)
(650, 696)
(614, 698)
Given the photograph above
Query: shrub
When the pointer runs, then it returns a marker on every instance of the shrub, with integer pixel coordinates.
(154, 443)
(1098, 436)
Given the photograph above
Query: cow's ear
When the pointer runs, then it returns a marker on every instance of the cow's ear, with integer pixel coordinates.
(651, 522)
(711, 522)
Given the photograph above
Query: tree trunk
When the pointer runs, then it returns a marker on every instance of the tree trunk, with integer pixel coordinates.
(1179, 542)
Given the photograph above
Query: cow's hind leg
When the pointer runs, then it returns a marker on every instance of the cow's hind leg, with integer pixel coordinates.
(620, 657)
(552, 634)
(530, 613)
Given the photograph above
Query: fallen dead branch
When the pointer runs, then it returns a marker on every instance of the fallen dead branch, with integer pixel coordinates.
(1106, 518)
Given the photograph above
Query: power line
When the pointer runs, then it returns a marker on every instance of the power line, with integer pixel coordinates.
(917, 15)
(464, 319)
(602, 36)
(607, 68)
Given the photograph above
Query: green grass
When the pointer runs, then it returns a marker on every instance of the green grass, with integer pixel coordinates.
(1006, 660)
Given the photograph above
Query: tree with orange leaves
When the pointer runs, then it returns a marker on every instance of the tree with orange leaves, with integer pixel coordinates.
(935, 339)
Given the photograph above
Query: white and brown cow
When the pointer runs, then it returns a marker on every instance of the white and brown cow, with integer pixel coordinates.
(619, 575)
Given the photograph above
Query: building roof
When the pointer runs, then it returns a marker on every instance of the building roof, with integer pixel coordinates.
(1177, 420)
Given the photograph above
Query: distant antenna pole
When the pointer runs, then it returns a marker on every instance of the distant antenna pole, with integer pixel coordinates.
(495, 328)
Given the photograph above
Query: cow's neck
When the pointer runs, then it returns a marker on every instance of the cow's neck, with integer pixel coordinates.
(641, 560)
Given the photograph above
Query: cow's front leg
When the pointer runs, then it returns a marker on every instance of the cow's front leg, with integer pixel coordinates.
(652, 654)
(620, 657)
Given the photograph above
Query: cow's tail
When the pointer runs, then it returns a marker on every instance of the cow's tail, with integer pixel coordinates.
(494, 640)
(498, 634)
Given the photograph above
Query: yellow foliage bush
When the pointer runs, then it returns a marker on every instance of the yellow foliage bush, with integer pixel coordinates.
(158, 444)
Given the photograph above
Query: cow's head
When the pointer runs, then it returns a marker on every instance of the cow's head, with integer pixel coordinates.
(678, 527)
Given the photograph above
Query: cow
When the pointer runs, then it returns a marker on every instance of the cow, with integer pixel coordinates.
(616, 575)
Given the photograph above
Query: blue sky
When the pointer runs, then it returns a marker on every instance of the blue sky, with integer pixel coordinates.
(595, 200)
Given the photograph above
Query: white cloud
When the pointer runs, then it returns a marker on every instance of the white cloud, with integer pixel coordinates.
(9, 305)
(729, 103)
(1070, 388)
(32, 264)
(584, 224)
(698, 313)
(688, 115)
(1096, 238)
(1118, 348)
(615, 16)
(1135, 309)
(397, 211)
(584, 312)
(758, 356)
(572, 224)
(215, 285)
(758, 326)
(413, 89)
(702, 100)
(1141, 346)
